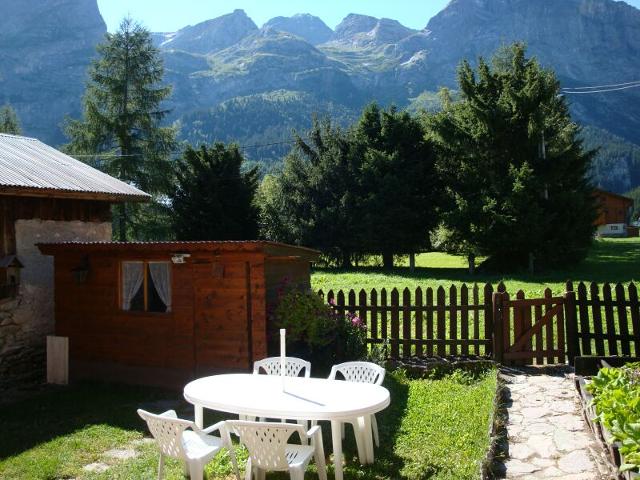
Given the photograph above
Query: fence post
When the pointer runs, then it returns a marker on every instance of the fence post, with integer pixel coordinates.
(498, 346)
(570, 315)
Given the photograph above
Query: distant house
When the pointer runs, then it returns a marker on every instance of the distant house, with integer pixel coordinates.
(45, 196)
(614, 215)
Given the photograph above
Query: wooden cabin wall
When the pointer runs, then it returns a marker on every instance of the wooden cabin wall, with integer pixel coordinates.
(208, 330)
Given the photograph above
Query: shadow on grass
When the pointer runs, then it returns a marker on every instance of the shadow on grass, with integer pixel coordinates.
(58, 411)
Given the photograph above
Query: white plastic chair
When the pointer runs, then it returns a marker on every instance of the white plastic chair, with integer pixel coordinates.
(271, 366)
(269, 450)
(293, 366)
(183, 440)
(360, 372)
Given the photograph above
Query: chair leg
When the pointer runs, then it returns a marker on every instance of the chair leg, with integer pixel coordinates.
(376, 435)
(161, 467)
(234, 461)
(360, 441)
(196, 471)
(318, 455)
(248, 473)
(296, 474)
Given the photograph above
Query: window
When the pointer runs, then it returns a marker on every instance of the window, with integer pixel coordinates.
(614, 227)
(146, 286)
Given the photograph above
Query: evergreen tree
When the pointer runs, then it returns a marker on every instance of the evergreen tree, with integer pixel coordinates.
(123, 114)
(399, 183)
(514, 166)
(214, 199)
(316, 199)
(9, 122)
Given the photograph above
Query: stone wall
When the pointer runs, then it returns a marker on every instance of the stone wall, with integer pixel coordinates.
(26, 320)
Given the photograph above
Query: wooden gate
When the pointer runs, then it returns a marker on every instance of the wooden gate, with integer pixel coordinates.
(528, 331)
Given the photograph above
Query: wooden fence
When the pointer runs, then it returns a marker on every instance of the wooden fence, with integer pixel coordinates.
(487, 321)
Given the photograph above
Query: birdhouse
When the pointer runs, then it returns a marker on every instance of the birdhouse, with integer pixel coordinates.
(10, 268)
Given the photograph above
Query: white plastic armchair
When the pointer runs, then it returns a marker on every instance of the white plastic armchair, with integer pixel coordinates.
(183, 440)
(270, 450)
(293, 366)
(360, 372)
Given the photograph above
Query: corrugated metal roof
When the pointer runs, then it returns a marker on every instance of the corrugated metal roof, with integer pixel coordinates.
(30, 165)
(165, 246)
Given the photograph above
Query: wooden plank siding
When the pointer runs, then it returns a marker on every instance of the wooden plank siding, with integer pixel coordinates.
(217, 323)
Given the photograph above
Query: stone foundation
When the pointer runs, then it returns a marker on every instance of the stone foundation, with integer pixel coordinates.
(26, 320)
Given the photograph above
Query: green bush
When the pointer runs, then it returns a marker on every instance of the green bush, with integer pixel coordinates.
(616, 397)
(316, 332)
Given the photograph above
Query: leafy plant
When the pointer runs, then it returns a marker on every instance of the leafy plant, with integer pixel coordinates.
(616, 397)
(316, 332)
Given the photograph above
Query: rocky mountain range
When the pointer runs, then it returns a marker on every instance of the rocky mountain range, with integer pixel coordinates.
(227, 72)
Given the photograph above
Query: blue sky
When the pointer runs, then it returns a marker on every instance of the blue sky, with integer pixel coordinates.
(162, 16)
(165, 16)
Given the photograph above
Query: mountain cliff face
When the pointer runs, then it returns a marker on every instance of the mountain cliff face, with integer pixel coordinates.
(587, 42)
(299, 65)
(45, 49)
(213, 35)
(303, 25)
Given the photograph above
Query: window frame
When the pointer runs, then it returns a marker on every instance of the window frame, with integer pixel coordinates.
(145, 279)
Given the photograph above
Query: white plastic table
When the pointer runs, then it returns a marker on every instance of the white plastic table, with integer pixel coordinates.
(302, 399)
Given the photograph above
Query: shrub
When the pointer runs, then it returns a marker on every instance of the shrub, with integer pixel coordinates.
(316, 332)
(616, 397)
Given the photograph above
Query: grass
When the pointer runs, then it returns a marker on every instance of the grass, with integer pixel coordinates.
(610, 260)
(434, 429)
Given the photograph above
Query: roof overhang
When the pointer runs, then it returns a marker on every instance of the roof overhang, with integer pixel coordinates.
(14, 191)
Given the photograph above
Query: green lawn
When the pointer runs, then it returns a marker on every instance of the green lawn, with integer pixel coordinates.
(434, 429)
(610, 260)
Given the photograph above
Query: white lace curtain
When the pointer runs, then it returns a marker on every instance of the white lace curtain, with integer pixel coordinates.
(132, 278)
(161, 276)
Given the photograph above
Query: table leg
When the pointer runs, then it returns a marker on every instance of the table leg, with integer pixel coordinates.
(199, 415)
(367, 436)
(336, 437)
(358, 431)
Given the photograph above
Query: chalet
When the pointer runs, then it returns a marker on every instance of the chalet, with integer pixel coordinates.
(45, 196)
(162, 313)
(614, 215)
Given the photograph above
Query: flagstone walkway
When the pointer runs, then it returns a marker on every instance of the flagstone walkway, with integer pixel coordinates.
(547, 435)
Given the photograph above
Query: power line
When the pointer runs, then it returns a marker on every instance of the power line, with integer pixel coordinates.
(600, 89)
(602, 86)
(178, 152)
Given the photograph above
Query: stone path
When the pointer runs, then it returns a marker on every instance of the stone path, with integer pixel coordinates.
(546, 433)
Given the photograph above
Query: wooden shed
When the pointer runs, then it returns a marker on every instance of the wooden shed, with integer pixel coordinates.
(162, 313)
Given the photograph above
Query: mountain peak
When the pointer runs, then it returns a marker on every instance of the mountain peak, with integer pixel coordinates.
(303, 25)
(353, 24)
(212, 35)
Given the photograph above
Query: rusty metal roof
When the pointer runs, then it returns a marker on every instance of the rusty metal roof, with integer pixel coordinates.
(30, 167)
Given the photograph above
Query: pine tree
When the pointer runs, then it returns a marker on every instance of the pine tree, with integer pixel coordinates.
(316, 199)
(214, 199)
(123, 113)
(514, 166)
(399, 183)
(9, 122)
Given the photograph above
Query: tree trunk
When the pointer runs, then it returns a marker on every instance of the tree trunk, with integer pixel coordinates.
(412, 262)
(471, 259)
(346, 260)
(387, 260)
(532, 260)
